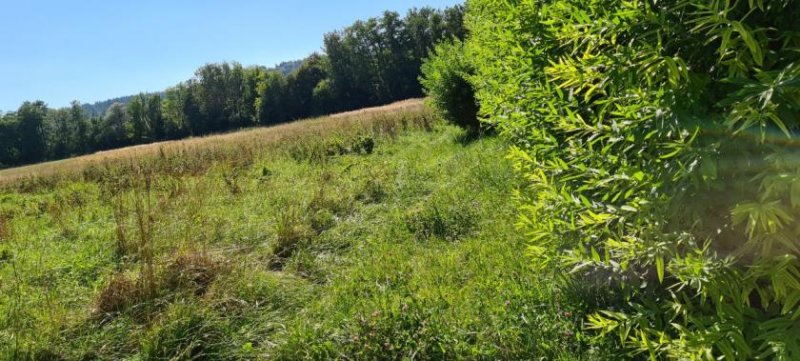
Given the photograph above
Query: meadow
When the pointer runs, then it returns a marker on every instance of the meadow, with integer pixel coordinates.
(379, 234)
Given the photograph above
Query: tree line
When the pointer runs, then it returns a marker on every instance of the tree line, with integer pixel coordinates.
(371, 62)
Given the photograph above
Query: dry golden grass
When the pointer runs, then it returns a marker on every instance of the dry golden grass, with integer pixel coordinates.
(394, 107)
(246, 139)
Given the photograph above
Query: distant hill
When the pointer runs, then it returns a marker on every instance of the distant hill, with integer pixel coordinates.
(288, 67)
(99, 108)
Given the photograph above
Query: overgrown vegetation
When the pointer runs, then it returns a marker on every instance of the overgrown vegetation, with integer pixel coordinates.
(653, 153)
(372, 235)
(657, 141)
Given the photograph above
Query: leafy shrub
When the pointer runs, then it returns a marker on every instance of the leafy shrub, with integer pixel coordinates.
(648, 133)
(445, 77)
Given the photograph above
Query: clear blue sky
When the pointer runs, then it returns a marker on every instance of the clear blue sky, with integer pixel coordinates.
(91, 50)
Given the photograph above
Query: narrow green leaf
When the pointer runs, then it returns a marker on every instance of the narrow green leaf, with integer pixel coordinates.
(660, 268)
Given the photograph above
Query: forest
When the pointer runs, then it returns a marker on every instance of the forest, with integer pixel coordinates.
(373, 62)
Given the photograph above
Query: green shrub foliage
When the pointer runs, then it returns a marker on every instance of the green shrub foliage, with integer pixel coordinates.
(445, 77)
(657, 141)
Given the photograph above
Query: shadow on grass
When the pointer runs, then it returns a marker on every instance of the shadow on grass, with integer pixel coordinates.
(471, 135)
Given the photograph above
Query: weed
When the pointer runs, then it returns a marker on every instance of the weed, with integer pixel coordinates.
(185, 332)
(441, 218)
(308, 265)
(56, 211)
(408, 331)
(121, 245)
(144, 216)
(329, 197)
(232, 182)
(291, 230)
(322, 220)
(373, 189)
(5, 227)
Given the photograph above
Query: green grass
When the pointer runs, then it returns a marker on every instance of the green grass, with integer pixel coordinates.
(356, 245)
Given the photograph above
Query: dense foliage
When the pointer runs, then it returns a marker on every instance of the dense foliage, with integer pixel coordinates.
(445, 78)
(657, 140)
(370, 63)
(378, 61)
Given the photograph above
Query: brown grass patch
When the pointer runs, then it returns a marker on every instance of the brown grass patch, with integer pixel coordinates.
(5, 227)
(397, 106)
(192, 271)
(120, 293)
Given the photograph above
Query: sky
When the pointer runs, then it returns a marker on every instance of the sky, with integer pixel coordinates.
(92, 50)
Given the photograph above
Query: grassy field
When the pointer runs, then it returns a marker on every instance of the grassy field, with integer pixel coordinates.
(258, 138)
(379, 234)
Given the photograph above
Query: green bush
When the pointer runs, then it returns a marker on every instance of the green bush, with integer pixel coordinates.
(445, 77)
(655, 138)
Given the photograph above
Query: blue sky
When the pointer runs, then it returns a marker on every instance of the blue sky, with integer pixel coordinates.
(91, 50)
